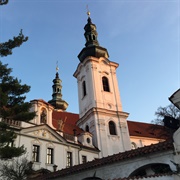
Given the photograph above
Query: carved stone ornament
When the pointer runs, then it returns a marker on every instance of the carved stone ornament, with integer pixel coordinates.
(44, 132)
(36, 133)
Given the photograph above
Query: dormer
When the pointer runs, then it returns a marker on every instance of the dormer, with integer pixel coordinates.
(85, 139)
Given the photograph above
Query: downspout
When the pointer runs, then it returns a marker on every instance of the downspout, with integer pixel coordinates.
(79, 154)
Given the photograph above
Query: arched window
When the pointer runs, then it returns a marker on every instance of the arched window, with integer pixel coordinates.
(133, 145)
(54, 89)
(105, 84)
(43, 116)
(90, 37)
(84, 88)
(112, 128)
(87, 128)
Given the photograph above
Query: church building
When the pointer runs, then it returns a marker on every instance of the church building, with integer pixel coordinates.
(57, 139)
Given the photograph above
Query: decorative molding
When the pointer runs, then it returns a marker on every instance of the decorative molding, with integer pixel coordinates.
(102, 122)
(87, 68)
(123, 124)
(92, 124)
(93, 66)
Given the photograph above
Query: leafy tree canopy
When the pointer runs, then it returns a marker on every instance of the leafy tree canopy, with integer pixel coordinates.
(12, 105)
(6, 47)
(3, 2)
(12, 97)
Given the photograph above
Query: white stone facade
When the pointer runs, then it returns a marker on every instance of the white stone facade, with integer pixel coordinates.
(98, 107)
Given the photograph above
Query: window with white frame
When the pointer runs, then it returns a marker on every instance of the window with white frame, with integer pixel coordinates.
(133, 145)
(69, 159)
(84, 159)
(112, 128)
(105, 83)
(49, 156)
(35, 153)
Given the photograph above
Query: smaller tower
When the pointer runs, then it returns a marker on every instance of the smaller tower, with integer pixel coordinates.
(57, 100)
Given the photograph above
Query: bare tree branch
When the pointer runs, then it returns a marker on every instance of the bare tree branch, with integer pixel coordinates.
(17, 169)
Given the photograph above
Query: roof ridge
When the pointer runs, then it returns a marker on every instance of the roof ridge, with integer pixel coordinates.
(162, 146)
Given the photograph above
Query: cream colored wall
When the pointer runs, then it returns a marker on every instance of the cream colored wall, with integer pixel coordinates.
(98, 107)
(60, 152)
(124, 168)
(91, 71)
(144, 141)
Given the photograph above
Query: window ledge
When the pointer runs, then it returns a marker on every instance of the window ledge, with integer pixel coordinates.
(107, 92)
(38, 163)
(47, 164)
(114, 136)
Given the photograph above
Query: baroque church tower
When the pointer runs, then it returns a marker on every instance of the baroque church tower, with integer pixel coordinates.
(100, 107)
(57, 102)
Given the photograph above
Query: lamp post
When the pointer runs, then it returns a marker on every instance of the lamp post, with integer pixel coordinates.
(55, 167)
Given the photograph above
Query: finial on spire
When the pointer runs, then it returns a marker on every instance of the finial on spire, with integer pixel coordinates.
(57, 68)
(88, 12)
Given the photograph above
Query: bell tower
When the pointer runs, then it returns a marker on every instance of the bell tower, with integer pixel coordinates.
(100, 106)
(57, 100)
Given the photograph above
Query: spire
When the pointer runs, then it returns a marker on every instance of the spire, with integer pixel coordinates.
(90, 32)
(57, 101)
(92, 47)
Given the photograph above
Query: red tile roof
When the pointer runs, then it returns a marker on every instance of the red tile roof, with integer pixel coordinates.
(135, 128)
(140, 152)
(146, 130)
(70, 121)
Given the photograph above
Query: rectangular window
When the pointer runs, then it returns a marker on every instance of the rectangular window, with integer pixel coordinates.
(35, 157)
(84, 88)
(49, 156)
(69, 159)
(105, 83)
(84, 159)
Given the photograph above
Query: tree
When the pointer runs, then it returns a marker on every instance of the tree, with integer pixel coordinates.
(7, 137)
(17, 169)
(170, 111)
(3, 2)
(6, 47)
(12, 105)
(169, 120)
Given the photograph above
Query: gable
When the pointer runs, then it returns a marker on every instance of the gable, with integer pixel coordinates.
(43, 132)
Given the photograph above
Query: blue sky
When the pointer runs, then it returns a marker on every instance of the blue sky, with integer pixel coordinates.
(142, 36)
